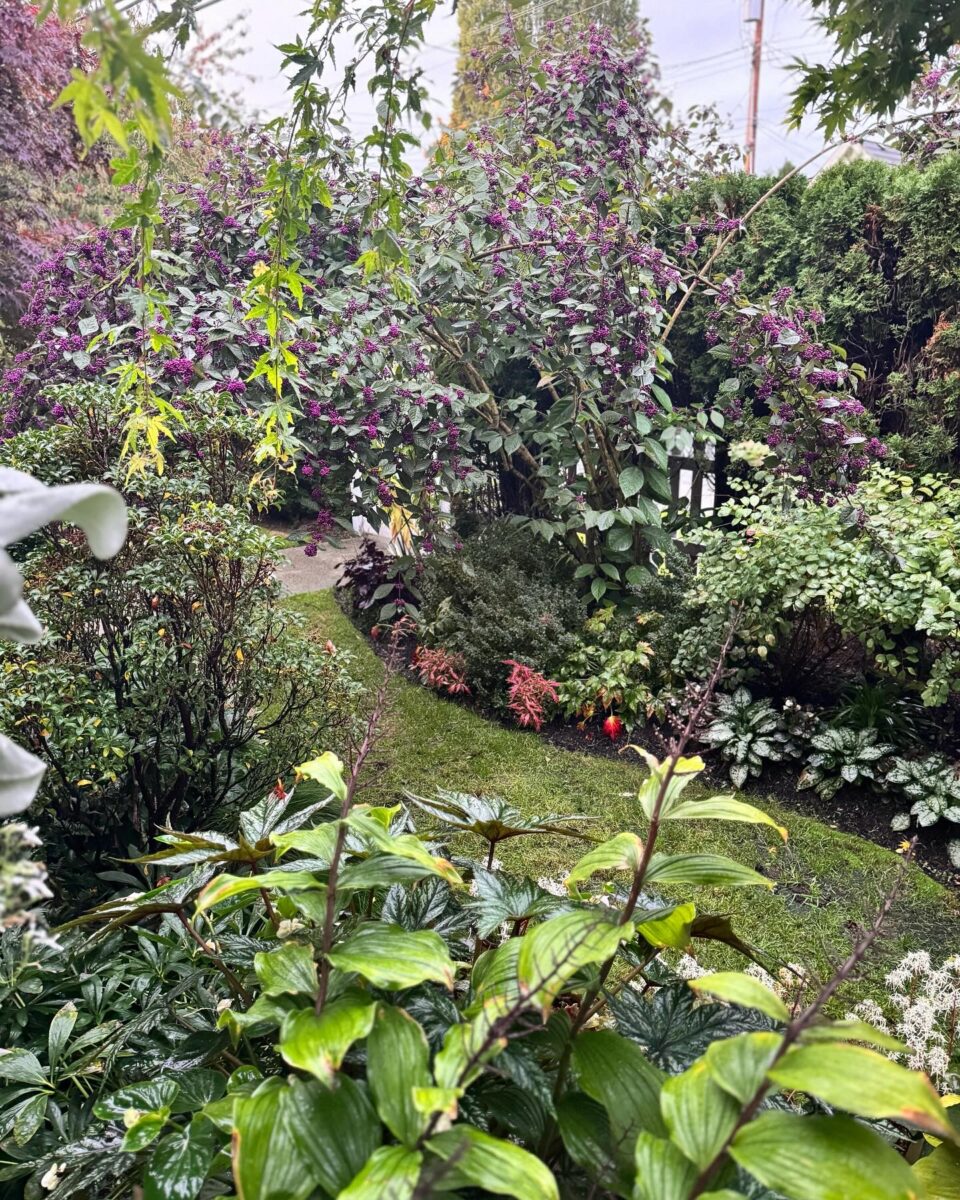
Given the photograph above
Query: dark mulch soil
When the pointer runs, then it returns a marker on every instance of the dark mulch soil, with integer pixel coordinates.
(852, 810)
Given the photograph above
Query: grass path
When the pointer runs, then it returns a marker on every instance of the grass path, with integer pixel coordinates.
(827, 884)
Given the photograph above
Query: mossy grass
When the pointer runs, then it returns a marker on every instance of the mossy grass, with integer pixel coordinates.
(827, 884)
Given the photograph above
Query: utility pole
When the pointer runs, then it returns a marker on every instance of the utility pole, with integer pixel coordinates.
(753, 16)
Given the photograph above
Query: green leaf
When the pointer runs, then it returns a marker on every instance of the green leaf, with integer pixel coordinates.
(699, 1115)
(822, 1158)
(180, 1163)
(712, 869)
(21, 1066)
(864, 1083)
(61, 1026)
(662, 1172)
(143, 1130)
(850, 1030)
(391, 1173)
(739, 1064)
(291, 1138)
(623, 852)
(939, 1173)
(224, 887)
(615, 1073)
(670, 929)
(744, 990)
(585, 1130)
(398, 1060)
(722, 808)
(493, 1165)
(631, 482)
(287, 971)
(30, 1116)
(501, 898)
(317, 1042)
(390, 957)
(619, 539)
(316, 843)
(149, 1096)
(327, 770)
(558, 948)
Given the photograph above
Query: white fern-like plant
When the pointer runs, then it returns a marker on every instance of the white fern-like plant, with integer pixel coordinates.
(26, 505)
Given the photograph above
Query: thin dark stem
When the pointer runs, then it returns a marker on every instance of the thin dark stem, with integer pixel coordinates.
(215, 958)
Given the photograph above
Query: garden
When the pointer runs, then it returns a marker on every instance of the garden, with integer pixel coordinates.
(479, 617)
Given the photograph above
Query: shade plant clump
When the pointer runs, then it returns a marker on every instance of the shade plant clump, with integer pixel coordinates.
(169, 685)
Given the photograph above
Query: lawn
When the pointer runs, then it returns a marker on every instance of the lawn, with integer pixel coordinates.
(827, 884)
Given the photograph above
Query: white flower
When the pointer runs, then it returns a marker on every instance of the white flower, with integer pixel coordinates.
(288, 927)
(689, 968)
(52, 1177)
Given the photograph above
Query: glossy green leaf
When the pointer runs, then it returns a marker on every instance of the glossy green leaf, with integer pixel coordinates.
(670, 930)
(863, 1082)
(391, 1173)
(662, 1171)
(615, 1073)
(180, 1163)
(148, 1096)
(623, 852)
(722, 808)
(699, 1115)
(30, 1116)
(143, 1130)
(225, 887)
(398, 1060)
(291, 1138)
(744, 990)
(822, 1158)
(327, 770)
(739, 1064)
(61, 1026)
(22, 1066)
(467, 1046)
(317, 1042)
(390, 957)
(553, 952)
(287, 971)
(493, 1165)
(585, 1129)
(711, 869)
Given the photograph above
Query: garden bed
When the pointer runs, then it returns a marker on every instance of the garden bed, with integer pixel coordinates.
(828, 883)
(851, 810)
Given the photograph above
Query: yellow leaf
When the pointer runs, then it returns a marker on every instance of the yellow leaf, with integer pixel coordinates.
(239, 655)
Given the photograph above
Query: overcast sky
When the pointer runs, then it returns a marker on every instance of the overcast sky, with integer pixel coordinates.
(703, 47)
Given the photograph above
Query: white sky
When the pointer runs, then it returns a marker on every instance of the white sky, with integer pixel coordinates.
(703, 47)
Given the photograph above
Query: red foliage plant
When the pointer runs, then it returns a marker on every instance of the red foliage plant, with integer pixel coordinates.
(528, 694)
(441, 670)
